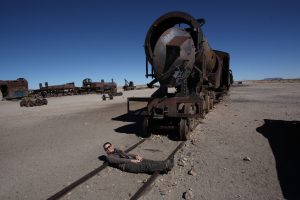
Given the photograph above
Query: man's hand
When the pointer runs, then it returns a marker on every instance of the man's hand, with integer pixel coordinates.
(139, 158)
(135, 161)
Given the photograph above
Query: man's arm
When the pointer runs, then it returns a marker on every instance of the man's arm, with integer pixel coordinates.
(115, 160)
(131, 155)
(135, 156)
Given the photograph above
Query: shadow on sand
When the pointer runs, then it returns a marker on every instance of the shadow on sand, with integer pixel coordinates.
(284, 139)
(136, 127)
(133, 128)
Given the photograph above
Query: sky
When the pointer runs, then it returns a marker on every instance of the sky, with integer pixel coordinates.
(62, 41)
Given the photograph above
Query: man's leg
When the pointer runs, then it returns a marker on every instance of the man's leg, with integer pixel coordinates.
(150, 166)
(147, 166)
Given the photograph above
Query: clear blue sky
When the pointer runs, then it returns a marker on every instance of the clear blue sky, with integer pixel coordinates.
(63, 41)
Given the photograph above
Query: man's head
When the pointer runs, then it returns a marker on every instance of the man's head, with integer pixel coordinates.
(108, 147)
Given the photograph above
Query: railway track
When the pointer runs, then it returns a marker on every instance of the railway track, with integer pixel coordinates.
(153, 177)
(140, 192)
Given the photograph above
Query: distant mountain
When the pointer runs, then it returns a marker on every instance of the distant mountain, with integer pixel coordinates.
(273, 79)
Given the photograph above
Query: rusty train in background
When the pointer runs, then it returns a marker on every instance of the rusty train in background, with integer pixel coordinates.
(88, 87)
(129, 85)
(16, 89)
(98, 87)
(182, 61)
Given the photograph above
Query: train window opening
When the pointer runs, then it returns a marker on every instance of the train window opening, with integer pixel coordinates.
(4, 90)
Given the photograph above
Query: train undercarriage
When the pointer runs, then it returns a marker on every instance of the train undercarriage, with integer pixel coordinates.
(181, 114)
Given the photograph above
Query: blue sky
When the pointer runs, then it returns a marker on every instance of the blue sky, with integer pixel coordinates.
(63, 41)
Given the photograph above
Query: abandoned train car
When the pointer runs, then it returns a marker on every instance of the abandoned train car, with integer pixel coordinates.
(13, 89)
(88, 87)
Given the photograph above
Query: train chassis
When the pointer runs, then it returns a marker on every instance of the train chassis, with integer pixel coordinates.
(175, 113)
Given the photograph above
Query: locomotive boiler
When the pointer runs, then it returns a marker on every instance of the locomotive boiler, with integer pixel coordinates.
(55, 90)
(182, 61)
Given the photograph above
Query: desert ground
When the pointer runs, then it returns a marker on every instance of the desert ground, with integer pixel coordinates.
(247, 147)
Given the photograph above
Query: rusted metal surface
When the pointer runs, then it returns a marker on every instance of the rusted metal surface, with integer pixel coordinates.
(129, 85)
(54, 90)
(182, 58)
(175, 52)
(67, 86)
(99, 87)
(12, 89)
(88, 87)
(189, 106)
(138, 99)
(110, 97)
(30, 102)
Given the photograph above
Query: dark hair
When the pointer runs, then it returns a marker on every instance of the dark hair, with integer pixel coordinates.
(106, 144)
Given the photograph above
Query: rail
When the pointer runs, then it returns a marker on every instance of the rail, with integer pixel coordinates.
(70, 187)
(140, 192)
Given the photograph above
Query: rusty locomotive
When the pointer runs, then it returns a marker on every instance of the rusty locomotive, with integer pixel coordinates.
(99, 87)
(192, 76)
(129, 85)
(55, 90)
(88, 87)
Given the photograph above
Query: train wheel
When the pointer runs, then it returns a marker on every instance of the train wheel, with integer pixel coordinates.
(45, 101)
(193, 124)
(38, 102)
(184, 132)
(207, 103)
(211, 103)
(23, 103)
(29, 103)
(146, 131)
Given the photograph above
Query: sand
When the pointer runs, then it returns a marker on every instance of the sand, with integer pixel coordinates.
(43, 149)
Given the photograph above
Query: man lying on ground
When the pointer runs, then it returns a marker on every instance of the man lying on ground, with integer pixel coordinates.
(135, 163)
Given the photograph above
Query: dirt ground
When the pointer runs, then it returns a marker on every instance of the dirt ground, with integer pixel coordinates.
(247, 147)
